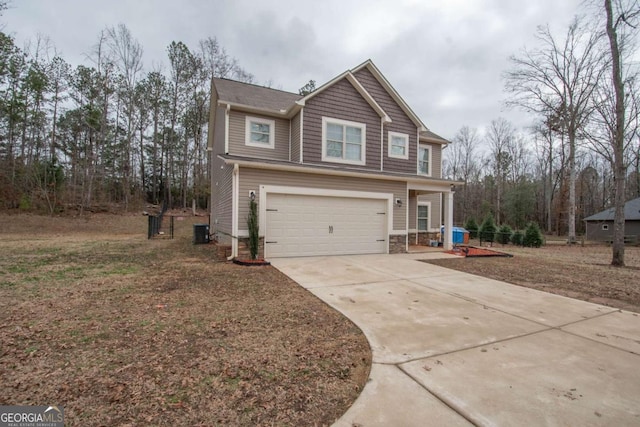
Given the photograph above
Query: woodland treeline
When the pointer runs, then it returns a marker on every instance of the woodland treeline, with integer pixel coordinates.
(106, 132)
(582, 154)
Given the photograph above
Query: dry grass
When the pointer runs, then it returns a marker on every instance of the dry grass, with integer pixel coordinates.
(124, 331)
(581, 272)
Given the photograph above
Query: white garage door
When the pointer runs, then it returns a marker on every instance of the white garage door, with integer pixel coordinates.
(299, 225)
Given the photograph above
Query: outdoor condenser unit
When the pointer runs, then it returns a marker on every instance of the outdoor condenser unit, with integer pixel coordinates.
(200, 233)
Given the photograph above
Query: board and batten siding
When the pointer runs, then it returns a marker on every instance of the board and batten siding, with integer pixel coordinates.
(295, 138)
(237, 133)
(340, 101)
(251, 180)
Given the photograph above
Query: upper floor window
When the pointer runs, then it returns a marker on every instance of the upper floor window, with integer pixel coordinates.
(398, 145)
(343, 141)
(424, 160)
(260, 132)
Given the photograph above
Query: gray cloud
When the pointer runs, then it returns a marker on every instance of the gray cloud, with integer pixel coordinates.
(444, 58)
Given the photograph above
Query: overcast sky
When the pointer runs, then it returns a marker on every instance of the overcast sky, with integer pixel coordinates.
(444, 57)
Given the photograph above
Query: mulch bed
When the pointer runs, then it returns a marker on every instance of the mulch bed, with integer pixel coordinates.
(473, 252)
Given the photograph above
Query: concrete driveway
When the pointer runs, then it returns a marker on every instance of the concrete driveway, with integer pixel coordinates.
(451, 348)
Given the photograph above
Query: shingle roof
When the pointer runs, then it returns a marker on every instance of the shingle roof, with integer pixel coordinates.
(631, 212)
(432, 135)
(254, 96)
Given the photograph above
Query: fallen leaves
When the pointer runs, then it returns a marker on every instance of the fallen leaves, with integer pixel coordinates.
(156, 332)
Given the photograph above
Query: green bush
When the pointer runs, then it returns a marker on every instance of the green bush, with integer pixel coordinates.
(517, 237)
(472, 227)
(252, 225)
(487, 231)
(532, 236)
(504, 234)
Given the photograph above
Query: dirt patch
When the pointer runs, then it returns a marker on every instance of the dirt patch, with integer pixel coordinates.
(121, 330)
(575, 271)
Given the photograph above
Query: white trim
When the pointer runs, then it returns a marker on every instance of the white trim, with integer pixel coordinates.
(226, 129)
(289, 140)
(390, 136)
(429, 216)
(391, 90)
(419, 182)
(324, 192)
(372, 102)
(358, 87)
(235, 199)
(381, 145)
(430, 160)
(301, 133)
(363, 144)
(247, 132)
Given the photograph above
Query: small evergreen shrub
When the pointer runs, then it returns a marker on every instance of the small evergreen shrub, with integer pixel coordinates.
(504, 234)
(252, 225)
(472, 227)
(532, 236)
(487, 231)
(517, 237)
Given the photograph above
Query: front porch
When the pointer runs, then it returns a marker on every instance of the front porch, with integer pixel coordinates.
(430, 206)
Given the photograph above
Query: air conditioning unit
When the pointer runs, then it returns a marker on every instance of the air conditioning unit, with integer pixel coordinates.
(200, 233)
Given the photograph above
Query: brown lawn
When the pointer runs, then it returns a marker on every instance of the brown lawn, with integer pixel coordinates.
(120, 330)
(581, 272)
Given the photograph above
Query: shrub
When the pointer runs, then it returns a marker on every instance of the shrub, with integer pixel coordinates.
(252, 225)
(504, 234)
(472, 227)
(532, 236)
(517, 237)
(487, 230)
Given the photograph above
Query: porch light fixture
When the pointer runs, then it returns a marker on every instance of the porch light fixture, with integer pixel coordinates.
(252, 195)
(399, 203)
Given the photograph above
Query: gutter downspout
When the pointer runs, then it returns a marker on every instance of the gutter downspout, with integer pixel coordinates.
(234, 211)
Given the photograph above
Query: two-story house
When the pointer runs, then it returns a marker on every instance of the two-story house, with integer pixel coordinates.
(346, 169)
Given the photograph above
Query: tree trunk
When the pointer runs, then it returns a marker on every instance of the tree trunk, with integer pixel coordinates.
(571, 219)
(619, 169)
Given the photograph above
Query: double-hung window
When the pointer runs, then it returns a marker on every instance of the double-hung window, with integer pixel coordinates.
(398, 145)
(343, 141)
(259, 132)
(424, 160)
(423, 216)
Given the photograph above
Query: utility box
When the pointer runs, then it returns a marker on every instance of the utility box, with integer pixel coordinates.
(200, 233)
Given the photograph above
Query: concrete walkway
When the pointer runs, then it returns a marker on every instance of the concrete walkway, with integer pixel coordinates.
(451, 348)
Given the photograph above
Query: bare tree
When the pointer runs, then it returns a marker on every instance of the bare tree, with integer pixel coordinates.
(499, 137)
(463, 150)
(559, 77)
(619, 19)
(127, 53)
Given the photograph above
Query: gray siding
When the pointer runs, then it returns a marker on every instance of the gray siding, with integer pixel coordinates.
(237, 147)
(340, 101)
(595, 231)
(295, 138)
(221, 175)
(400, 123)
(251, 179)
(221, 196)
(436, 159)
(434, 215)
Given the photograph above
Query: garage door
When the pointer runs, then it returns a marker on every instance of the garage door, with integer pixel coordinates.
(300, 225)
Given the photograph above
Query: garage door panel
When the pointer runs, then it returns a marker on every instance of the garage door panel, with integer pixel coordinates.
(299, 225)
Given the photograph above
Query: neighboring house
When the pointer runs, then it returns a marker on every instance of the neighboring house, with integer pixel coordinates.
(347, 169)
(600, 226)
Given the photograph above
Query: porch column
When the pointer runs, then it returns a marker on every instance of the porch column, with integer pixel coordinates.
(448, 221)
